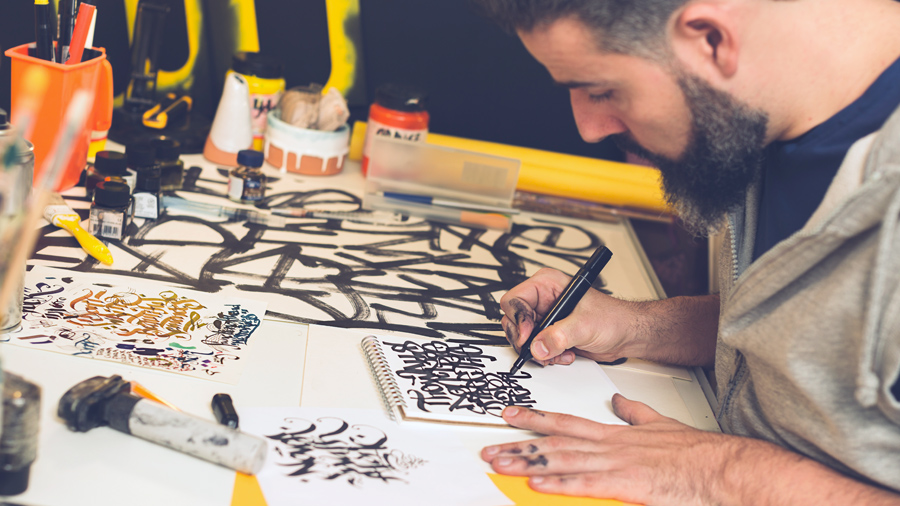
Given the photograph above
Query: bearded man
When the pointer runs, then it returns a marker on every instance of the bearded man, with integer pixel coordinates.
(773, 121)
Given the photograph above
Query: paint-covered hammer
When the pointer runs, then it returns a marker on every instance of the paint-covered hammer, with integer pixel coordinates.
(100, 401)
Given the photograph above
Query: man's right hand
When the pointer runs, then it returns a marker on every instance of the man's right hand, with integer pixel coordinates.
(680, 330)
(594, 329)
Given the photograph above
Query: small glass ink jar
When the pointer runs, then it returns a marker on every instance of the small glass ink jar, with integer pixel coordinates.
(168, 151)
(247, 183)
(110, 209)
(146, 192)
(108, 164)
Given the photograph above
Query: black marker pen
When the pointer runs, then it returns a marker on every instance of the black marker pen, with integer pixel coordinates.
(566, 303)
(224, 410)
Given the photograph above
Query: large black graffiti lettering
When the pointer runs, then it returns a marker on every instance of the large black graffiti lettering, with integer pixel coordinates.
(455, 375)
(331, 449)
(424, 278)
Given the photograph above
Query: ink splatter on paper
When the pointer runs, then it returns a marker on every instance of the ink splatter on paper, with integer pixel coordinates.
(356, 456)
(140, 324)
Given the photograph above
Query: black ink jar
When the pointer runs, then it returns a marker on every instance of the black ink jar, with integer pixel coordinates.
(168, 152)
(111, 209)
(108, 164)
(247, 183)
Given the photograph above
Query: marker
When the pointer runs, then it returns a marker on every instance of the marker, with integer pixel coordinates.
(432, 201)
(65, 23)
(42, 34)
(79, 35)
(224, 410)
(566, 302)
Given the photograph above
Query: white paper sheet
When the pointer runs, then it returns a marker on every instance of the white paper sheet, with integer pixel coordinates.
(138, 323)
(346, 456)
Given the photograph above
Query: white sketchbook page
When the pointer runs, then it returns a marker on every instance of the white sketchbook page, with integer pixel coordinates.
(208, 336)
(468, 383)
(349, 456)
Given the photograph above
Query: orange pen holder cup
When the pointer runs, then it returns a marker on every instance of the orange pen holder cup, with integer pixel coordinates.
(94, 74)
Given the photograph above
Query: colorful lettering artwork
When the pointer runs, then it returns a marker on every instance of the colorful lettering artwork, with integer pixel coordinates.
(141, 324)
(356, 456)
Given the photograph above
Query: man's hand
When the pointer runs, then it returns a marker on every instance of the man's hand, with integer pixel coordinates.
(588, 331)
(658, 460)
(681, 330)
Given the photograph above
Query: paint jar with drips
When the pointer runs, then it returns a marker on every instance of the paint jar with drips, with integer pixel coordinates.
(111, 209)
(247, 183)
(398, 112)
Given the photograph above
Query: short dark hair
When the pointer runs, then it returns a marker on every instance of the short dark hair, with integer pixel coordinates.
(635, 27)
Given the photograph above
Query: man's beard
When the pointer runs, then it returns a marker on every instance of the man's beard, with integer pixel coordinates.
(722, 160)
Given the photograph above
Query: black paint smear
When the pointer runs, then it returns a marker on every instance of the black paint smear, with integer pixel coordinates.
(540, 460)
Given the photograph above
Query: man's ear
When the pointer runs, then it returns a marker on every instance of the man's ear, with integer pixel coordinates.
(706, 38)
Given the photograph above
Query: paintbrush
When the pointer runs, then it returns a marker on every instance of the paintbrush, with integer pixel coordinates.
(60, 214)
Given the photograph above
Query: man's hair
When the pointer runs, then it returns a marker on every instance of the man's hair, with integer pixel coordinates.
(633, 27)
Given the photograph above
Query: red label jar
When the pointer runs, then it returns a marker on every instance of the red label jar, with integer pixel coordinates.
(398, 112)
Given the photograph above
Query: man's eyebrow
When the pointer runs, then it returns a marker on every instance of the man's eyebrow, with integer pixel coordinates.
(584, 84)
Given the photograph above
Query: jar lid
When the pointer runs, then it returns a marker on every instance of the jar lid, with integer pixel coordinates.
(167, 148)
(148, 178)
(140, 154)
(250, 158)
(111, 194)
(400, 97)
(257, 64)
(111, 163)
(4, 120)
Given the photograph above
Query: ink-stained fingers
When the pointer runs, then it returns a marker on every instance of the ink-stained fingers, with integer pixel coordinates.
(560, 462)
(556, 424)
(534, 447)
(511, 331)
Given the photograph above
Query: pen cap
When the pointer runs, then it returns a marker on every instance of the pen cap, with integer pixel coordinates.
(596, 263)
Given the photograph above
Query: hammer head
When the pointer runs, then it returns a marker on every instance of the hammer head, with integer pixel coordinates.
(83, 407)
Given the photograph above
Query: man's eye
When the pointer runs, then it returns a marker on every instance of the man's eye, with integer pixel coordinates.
(602, 97)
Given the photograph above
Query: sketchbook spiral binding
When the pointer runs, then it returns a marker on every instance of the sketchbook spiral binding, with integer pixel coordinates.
(387, 384)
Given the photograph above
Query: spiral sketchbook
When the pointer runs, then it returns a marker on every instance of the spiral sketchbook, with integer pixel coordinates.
(465, 383)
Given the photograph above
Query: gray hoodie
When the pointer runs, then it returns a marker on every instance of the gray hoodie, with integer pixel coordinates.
(809, 334)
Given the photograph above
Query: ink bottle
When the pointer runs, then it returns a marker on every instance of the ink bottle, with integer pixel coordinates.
(398, 112)
(108, 164)
(110, 209)
(168, 152)
(146, 192)
(247, 183)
